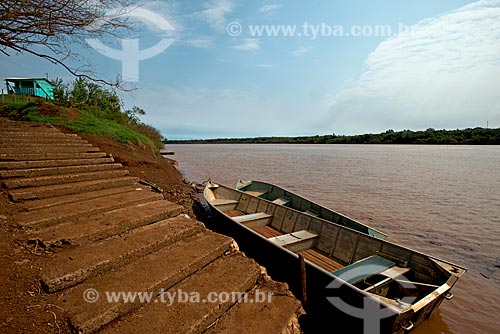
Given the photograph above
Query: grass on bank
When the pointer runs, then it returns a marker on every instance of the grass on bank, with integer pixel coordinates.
(90, 124)
(30, 111)
(87, 122)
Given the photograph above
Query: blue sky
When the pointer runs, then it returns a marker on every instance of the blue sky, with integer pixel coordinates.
(442, 70)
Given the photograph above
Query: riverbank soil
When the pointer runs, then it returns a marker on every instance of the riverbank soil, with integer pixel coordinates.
(24, 306)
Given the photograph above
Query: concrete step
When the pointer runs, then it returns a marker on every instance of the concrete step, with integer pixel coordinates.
(54, 202)
(8, 124)
(36, 172)
(280, 312)
(62, 179)
(20, 133)
(151, 274)
(53, 163)
(58, 144)
(232, 273)
(74, 265)
(23, 128)
(45, 149)
(29, 135)
(41, 141)
(56, 215)
(50, 156)
(104, 225)
(28, 129)
(70, 188)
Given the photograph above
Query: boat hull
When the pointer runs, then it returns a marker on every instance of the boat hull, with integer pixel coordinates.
(284, 266)
(330, 300)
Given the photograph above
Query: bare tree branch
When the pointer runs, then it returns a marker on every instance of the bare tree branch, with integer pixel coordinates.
(47, 29)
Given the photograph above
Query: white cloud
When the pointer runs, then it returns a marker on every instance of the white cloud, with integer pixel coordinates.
(156, 16)
(444, 74)
(269, 10)
(300, 51)
(250, 44)
(215, 13)
(264, 65)
(200, 42)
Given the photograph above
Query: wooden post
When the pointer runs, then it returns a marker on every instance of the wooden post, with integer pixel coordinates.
(303, 279)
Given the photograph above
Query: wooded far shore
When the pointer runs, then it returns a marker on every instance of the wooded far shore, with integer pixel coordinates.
(475, 136)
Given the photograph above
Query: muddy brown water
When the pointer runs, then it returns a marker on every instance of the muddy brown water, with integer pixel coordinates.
(440, 200)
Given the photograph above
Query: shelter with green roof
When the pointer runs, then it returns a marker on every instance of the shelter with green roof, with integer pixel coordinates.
(40, 87)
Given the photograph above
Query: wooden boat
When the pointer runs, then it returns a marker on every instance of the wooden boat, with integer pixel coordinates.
(341, 274)
(287, 198)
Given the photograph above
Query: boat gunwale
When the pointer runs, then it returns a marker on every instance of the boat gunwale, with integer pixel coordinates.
(315, 203)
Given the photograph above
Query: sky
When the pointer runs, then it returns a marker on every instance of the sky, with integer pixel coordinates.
(234, 68)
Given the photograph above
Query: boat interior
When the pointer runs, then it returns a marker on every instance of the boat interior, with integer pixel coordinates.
(386, 270)
(286, 198)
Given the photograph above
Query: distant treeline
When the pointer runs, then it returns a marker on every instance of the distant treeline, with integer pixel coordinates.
(476, 136)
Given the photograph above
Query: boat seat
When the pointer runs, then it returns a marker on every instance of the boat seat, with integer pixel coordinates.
(385, 277)
(217, 202)
(282, 201)
(312, 213)
(224, 204)
(254, 219)
(296, 241)
(256, 193)
(395, 272)
(364, 268)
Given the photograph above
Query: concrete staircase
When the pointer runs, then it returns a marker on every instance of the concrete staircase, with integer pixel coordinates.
(106, 233)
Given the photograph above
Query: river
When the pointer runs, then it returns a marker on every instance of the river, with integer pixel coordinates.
(440, 200)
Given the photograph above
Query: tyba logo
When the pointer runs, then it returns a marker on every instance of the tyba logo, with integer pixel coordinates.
(372, 311)
(130, 55)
